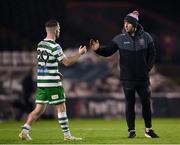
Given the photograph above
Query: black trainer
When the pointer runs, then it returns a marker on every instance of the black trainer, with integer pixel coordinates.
(151, 134)
(132, 134)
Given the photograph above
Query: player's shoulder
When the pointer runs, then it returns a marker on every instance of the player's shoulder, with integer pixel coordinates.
(148, 36)
(40, 43)
(51, 43)
(118, 37)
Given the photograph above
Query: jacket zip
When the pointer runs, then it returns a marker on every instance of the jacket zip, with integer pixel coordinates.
(135, 57)
(134, 46)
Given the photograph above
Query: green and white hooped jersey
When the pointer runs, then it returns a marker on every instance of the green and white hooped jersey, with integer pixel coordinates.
(49, 54)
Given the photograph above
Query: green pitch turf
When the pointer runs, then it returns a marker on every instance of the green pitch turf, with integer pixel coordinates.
(92, 131)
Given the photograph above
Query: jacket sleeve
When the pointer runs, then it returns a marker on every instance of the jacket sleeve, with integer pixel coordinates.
(151, 55)
(107, 50)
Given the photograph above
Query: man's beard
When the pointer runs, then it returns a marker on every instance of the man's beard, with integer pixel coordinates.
(132, 31)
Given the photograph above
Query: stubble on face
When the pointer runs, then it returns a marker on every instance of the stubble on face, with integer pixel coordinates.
(129, 28)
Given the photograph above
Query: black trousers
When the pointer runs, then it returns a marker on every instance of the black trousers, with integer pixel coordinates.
(143, 91)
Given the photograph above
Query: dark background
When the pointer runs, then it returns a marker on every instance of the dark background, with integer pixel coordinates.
(22, 23)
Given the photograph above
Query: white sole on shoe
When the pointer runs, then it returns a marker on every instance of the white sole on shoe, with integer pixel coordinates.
(148, 136)
(24, 136)
(72, 138)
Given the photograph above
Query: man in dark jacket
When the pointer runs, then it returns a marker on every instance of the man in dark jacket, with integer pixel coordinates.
(137, 56)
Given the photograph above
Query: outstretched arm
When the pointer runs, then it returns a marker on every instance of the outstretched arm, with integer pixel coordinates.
(106, 50)
(67, 61)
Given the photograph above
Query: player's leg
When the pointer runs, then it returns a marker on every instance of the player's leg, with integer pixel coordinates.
(35, 114)
(57, 97)
(41, 100)
(129, 92)
(63, 121)
(145, 94)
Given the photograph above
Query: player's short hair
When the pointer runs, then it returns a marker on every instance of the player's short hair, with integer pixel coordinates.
(51, 23)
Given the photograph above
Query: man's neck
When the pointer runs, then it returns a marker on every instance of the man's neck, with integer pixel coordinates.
(50, 37)
(132, 34)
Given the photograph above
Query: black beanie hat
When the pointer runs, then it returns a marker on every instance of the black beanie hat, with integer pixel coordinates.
(132, 18)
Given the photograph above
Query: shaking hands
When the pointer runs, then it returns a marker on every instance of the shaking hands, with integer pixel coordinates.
(93, 45)
(82, 50)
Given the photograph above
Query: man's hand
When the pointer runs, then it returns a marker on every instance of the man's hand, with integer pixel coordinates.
(82, 50)
(67, 61)
(94, 45)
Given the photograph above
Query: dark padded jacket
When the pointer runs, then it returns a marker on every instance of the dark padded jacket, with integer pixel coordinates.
(137, 54)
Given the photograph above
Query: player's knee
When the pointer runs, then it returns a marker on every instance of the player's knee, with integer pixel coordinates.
(61, 107)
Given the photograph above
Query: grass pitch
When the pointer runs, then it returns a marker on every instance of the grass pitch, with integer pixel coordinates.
(92, 131)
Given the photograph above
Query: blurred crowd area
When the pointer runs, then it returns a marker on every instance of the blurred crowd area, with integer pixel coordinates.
(91, 77)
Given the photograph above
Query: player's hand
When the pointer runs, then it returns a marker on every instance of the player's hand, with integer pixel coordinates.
(94, 45)
(82, 50)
